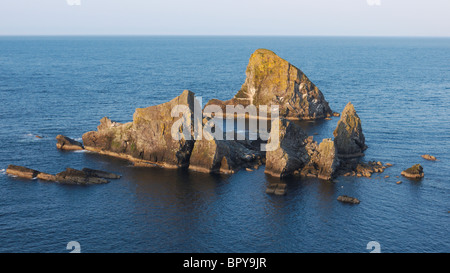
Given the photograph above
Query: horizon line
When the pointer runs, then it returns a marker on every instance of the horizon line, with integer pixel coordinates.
(220, 35)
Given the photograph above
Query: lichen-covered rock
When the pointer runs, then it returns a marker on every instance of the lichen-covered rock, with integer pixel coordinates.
(148, 138)
(348, 135)
(414, 172)
(272, 80)
(66, 143)
(290, 154)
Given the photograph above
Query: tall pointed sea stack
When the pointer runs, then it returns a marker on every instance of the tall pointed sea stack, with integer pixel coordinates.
(272, 80)
(348, 135)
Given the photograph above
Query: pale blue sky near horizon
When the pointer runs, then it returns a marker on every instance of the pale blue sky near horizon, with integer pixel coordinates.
(226, 17)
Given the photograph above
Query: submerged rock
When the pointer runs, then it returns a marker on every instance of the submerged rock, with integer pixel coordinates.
(272, 80)
(415, 171)
(348, 135)
(348, 199)
(66, 143)
(276, 188)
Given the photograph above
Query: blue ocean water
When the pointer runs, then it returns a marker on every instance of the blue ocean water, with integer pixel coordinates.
(64, 85)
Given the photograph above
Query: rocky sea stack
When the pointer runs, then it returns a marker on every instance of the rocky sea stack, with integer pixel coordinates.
(148, 139)
(272, 80)
(348, 135)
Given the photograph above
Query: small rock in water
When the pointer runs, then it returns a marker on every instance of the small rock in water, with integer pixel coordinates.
(415, 171)
(429, 157)
(348, 199)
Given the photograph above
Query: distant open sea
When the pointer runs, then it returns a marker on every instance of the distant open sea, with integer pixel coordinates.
(64, 85)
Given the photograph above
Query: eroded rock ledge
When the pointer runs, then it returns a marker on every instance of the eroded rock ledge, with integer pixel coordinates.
(69, 176)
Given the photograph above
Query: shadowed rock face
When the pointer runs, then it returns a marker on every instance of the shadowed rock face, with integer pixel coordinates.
(299, 154)
(223, 156)
(349, 138)
(291, 154)
(272, 80)
(148, 137)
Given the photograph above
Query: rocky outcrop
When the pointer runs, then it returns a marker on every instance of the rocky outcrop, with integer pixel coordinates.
(429, 157)
(66, 143)
(69, 176)
(148, 138)
(414, 172)
(223, 156)
(73, 176)
(290, 153)
(348, 135)
(360, 169)
(272, 80)
(21, 171)
(348, 199)
(323, 161)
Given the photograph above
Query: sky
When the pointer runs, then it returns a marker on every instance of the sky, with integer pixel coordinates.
(226, 17)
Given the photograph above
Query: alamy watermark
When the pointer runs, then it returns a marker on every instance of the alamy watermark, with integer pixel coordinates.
(213, 127)
(374, 2)
(73, 2)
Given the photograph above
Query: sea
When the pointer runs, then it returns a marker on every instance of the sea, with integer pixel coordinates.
(51, 85)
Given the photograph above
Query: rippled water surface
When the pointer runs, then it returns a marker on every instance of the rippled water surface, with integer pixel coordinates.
(65, 85)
